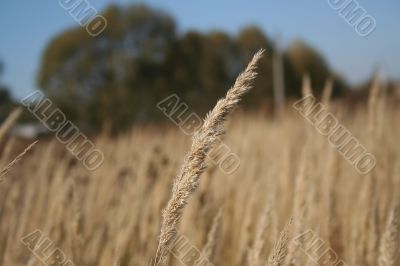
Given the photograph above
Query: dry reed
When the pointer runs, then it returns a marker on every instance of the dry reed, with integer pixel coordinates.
(7, 168)
(194, 164)
(112, 216)
(390, 245)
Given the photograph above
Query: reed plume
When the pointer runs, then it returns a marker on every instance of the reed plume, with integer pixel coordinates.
(327, 92)
(280, 250)
(16, 160)
(208, 248)
(255, 252)
(373, 105)
(194, 164)
(306, 86)
(9, 122)
(389, 248)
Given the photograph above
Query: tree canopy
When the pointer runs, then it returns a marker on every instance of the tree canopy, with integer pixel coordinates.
(140, 58)
(6, 102)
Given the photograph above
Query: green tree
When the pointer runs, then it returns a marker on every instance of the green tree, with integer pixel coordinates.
(200, 68)
(113, 76)
(120, 75)
(301, 60)
(6, 102)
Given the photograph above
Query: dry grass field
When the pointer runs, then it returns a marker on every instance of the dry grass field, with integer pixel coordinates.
(288, 172)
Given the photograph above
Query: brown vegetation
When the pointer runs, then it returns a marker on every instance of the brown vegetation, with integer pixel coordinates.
(113, 215)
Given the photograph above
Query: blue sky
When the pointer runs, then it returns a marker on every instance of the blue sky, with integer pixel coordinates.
(27, 26)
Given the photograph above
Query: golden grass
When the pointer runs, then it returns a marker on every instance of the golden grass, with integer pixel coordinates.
(9, 122)
(112, 215)
(8, 167)
(194, 164)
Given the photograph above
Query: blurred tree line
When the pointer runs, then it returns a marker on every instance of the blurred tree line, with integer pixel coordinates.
(119, 76)
(6, 102)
